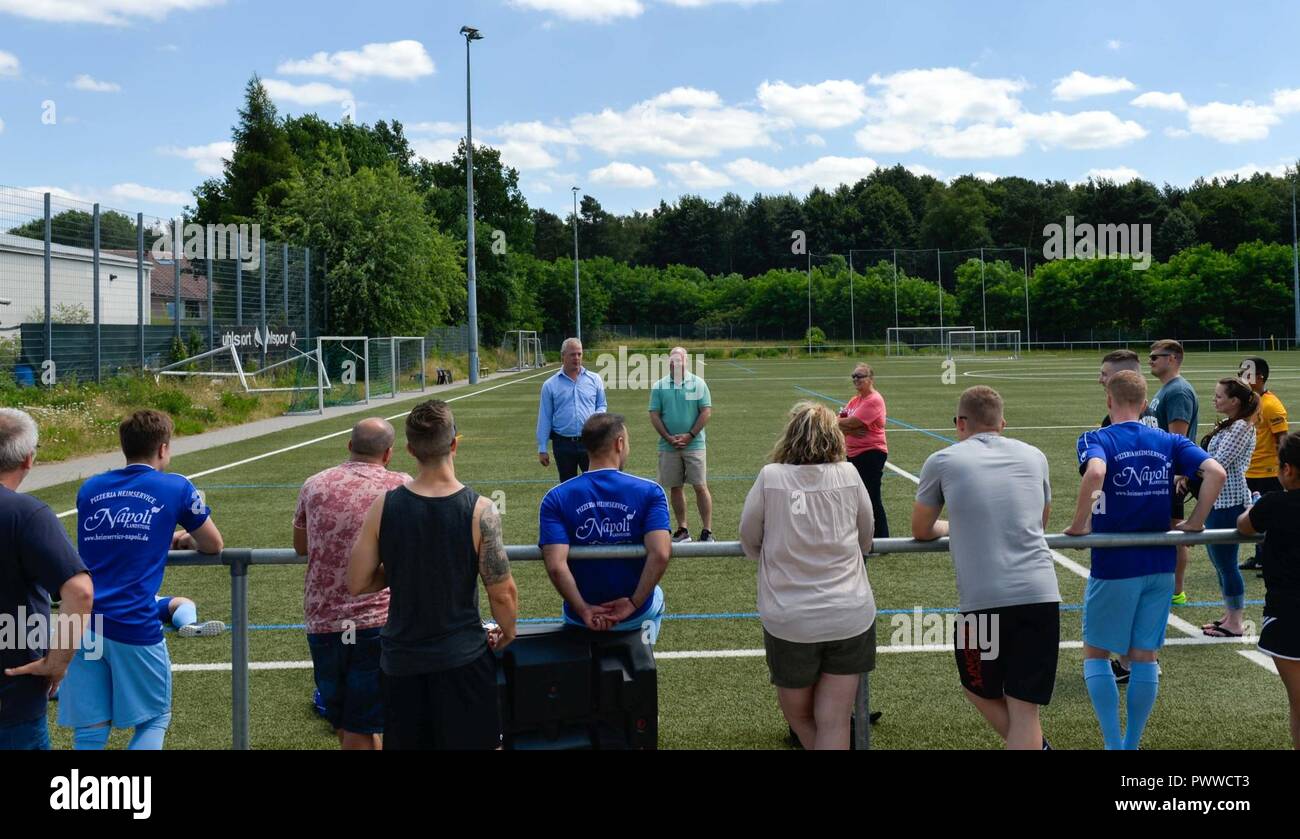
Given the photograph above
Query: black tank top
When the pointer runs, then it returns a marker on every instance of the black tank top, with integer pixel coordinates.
(427, 548)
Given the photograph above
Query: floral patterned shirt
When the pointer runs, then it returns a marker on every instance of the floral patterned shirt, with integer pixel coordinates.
(331, 507)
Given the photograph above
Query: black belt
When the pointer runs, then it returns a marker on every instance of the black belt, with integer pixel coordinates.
(577, 440)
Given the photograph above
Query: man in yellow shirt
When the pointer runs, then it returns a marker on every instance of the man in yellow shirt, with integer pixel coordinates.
(1270, 429)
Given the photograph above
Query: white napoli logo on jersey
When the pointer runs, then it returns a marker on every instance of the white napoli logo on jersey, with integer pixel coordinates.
(605, 528)
(1145, 476)
(123, 517)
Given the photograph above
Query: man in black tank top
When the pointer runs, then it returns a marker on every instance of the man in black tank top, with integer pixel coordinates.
(429, 542)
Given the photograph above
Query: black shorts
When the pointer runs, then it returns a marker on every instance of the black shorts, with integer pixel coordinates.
(1264, 485)
(451, 709)
(1177, 507)
(1010, 651)
(1280, 636)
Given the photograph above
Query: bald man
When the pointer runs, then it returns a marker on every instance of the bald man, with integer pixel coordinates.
(342, 630)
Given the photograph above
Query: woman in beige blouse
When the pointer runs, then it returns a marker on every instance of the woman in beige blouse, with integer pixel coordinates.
(807, 520)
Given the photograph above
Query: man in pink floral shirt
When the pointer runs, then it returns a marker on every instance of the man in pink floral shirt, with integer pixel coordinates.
(342, 630)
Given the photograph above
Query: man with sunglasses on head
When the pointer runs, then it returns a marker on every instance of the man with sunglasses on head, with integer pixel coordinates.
(1176, 410)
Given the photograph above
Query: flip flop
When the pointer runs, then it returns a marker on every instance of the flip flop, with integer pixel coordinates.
(1220, 632)
(1212, 625)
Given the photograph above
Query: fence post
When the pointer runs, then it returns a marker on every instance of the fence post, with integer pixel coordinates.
(239, 560)
(325, 291)
(284, 276)
(239, 280)
(49, 306)
(306, 293)
(212, 323)
(261, 274)
(95, 275)
(862, 714)
(178, 249)
(139, 284)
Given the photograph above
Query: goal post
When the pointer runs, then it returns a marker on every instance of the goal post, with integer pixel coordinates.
(919, 340)
(527, 347)
(984, 343)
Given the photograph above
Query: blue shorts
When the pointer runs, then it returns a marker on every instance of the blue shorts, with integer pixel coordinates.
(164, 608)
(127, 684)
(347, 676)
(655, 615)
(29, 735)
(1120, 615)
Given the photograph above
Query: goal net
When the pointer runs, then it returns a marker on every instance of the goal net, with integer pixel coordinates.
(341, 376)
(527, 348)
(984, 343)
(919, 340)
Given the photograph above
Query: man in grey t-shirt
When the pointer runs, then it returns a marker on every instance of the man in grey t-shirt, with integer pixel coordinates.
(998, 497)
(1177, 410)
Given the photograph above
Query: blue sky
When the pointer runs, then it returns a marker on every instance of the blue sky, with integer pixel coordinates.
(130, 102)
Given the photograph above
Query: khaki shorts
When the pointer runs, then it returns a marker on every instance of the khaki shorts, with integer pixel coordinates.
(682, 466)
(794, 665)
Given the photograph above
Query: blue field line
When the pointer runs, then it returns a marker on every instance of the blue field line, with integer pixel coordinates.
(718, 616)
(887, 418)
(742, 367)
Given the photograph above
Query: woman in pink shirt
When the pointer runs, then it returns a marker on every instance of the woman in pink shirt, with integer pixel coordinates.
(863, 424)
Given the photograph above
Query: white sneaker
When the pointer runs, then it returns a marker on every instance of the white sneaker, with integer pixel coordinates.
(207, 629)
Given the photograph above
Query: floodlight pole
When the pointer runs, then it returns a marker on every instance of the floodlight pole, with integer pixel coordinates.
(938, 260)
(470, 34)
(809, 336)
(577, 281)
(1295, 261)
(853, 332)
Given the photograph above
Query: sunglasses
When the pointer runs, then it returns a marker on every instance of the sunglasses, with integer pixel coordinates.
(857, 376)
(954, 419)
(1156, 355)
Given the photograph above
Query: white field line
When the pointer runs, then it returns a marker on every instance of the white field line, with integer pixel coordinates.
(674, 655)
(1194, 632)
(265, 455)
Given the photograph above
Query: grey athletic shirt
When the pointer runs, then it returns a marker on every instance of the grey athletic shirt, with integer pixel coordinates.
(995, 489)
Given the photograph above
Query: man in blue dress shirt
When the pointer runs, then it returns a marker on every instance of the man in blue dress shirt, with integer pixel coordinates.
(568, 399)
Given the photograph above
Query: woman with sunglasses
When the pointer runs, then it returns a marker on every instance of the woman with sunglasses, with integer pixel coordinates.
(863, 422)
(1231, 443)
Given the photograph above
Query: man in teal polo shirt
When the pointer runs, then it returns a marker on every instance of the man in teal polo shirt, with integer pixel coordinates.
(679, 410)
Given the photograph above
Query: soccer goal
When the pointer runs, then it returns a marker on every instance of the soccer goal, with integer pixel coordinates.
(283, 376)
(919, 340)
(984, 343)
(396, 366)
(527, 347)
(340, 376)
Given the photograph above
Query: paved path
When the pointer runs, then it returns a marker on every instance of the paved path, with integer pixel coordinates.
(51, 474)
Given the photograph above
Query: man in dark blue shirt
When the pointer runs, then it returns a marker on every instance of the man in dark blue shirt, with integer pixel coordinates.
(606, 506)
(36, 558)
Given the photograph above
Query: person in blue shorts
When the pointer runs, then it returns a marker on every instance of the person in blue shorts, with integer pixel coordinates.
(126, 523)
(1128, 471)
(606, 506)
(182, 614)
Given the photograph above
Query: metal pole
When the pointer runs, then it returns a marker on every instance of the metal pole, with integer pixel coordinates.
(261, 277)
(895, 289)
(325, 291)
(284, 277)
(853, 332)
(239, 648)
(469, 212)
(809, 302)
(938, 259)
(983, 299)
(99, 347)
(239, 280)
(1024, 255)
(577, 279)
(212, 323)
(139, 283)
(49, 303)
(862, 715)
(306, 293)
(1295, 262)
(177, 251)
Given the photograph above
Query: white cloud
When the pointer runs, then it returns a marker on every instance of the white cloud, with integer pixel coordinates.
(312, 93)
(890, 137)
(697, 4)
(148, 194)
(8, 64)
(1177, 133)
(108, 12)
(435, 127)
(1231, 123)
(1078, 85)
(988, 177)
(979, 140)
(945, 95)
(697, 176)
(394, 60)
(524, 156)
(2, 126)
(830, 104)
(58, 192)
(435, 150)
(827, 172)
(921, 171)
(1084, 130)
(1284, 101)
(595, 11)
(1118, 174)
(531, 132)
(651, 128)
(1278, 170)
(687, 97)
(1114, 44)
(622, 174)
(208, 159)
(85, 82)
(1163, 101)
(814, 140)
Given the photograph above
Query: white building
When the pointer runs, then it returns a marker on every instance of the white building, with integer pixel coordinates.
(22, 282)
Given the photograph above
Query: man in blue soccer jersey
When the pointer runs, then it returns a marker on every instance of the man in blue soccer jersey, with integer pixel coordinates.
(605, 506)
(126, 523)
(1128, 470)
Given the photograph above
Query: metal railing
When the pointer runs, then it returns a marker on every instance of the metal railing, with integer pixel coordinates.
(239, 560)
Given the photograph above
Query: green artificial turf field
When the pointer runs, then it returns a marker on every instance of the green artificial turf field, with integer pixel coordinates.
(1212, 695)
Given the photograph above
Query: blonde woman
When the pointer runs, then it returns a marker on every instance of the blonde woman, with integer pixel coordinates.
(808, 522)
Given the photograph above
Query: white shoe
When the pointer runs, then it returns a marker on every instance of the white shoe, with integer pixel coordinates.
(207, 629)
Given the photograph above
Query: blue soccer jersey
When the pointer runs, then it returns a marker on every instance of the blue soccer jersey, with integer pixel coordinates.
(603, 507)
(125, 522)
(1141, 463)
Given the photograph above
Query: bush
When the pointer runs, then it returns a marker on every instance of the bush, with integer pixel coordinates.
(172, 402)
(814, 337)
